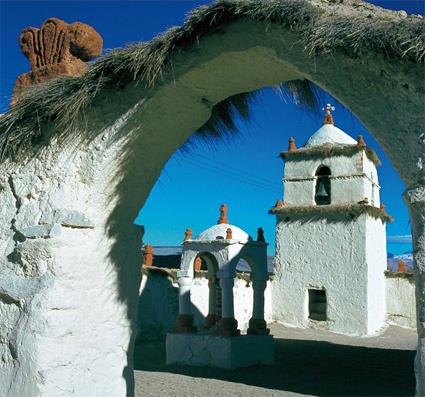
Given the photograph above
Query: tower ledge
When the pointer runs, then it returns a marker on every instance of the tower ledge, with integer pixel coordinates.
(327, 211)
(328, 150)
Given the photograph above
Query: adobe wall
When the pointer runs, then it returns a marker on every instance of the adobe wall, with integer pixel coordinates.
(331, 255)
(401, 300)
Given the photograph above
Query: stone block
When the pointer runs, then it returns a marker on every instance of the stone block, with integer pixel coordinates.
(67, 217)
(41, 231)
(203, 349)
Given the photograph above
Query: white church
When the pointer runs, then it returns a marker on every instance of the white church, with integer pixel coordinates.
(330, 236)
(330, 269)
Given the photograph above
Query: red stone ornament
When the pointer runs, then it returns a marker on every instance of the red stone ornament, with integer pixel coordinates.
(148, 255)
(292, 146)
(223, 214)
(187, 234)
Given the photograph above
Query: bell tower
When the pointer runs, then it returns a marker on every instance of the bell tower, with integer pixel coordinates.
(330, 235)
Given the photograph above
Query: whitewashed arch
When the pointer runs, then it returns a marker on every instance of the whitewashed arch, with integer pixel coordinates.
(86, 277)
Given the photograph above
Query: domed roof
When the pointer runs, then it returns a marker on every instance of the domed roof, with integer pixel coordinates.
(218, 232)
(328, 133)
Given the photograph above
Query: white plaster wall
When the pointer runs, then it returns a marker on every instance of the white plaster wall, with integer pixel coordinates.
(372, 190)
(376, 262)
(349, 180)
(158, 304)
(329, 254)
(401, 301)
(68, 323)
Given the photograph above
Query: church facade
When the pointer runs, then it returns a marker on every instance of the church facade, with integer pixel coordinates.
(330, 236)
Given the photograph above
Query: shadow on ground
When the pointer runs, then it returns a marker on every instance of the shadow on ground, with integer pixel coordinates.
(308, 367)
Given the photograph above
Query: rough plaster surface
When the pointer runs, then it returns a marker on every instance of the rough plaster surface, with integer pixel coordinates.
(158, 304)
(329, 133)
(330, 255)
(353, 179)
(344, 256)
(82, 287)
(401, 302)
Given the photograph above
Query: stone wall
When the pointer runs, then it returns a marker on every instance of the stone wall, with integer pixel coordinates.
(159, 306)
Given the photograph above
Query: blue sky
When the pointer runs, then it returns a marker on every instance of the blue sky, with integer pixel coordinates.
(244, 173)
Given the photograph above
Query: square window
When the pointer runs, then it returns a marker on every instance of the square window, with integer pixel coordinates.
(317, 304)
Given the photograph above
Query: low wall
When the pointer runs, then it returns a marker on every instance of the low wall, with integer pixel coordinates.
(158, 301)
(401, 301)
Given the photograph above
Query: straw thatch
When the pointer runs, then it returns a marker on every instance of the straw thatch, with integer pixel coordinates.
(407, 275)
(323, 29)
(326, 150)
(350, 211)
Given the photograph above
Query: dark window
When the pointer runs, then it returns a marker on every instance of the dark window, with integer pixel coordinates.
(317, 304)
(322, 195)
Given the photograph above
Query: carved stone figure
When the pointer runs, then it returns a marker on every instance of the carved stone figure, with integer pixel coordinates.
(57, 49)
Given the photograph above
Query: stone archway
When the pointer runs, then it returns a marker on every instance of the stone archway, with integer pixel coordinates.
(70, 257)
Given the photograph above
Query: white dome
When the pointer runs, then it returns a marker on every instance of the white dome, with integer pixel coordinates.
(328, 133)
(218, 232)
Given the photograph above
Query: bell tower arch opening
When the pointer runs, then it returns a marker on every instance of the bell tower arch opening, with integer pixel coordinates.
(322, 195)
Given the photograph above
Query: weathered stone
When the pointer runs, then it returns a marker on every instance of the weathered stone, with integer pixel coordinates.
(67, 217)
(57, 49)
(27, 215)
(41, 231)
(33, 258)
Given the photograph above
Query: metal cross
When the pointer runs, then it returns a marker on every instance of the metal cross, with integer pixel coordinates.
(328, 108)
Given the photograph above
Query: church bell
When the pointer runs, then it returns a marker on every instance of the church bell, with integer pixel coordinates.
(321, 191)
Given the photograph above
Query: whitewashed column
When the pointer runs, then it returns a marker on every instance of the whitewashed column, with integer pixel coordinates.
(212, 317)
(184, 322)
(228, 323)
(257, 324)
(415, 199)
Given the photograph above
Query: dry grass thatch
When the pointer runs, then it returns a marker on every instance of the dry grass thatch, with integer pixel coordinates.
(350, 211)
(316, 152)
(407, 275)
(323, 28)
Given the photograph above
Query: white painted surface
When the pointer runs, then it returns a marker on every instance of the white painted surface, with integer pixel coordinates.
(64, 325)
(158, 304)
(351, 180)
(216, 351)
(345, 257)
(330, 255)
(401, 301)
(219, 232)
(376, 262)
(328, 133)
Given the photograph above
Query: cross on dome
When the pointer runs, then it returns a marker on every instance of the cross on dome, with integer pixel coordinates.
(328, 116)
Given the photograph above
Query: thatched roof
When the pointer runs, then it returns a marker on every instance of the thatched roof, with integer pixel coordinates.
(407, 275)
(329, 150)
(350, 211)
(324, 25)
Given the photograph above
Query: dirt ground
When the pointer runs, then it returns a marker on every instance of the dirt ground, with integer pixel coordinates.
(308, 363)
